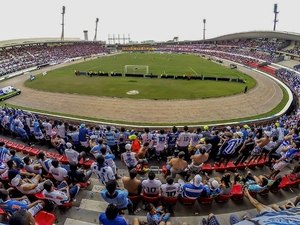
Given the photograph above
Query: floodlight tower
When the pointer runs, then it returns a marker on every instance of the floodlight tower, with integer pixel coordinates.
(204, 22)
(96, 29)
(275, 19)
(62, 38)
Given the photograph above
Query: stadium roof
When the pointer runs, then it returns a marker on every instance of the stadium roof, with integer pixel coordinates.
(283, 35)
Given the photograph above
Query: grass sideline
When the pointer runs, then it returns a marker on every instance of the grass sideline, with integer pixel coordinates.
(277, 109)
(63, 80)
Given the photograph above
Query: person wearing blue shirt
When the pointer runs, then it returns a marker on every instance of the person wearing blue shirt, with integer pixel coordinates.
(193, 190)
(110, 137)
(157, 216)
(3, 152)
(111, 216)
(212, 189)
(82, 135)
(16, 159)
(12, 205)
(256, 184)
(171, 141)
(116, 196)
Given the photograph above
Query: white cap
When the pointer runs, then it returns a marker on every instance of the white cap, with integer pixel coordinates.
(128, 147)
(197, 180)
(215, 184)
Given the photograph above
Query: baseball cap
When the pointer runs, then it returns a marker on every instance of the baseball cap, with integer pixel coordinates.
(69, 145)
(205, 127)
(246, 126)
(197, 180)
(228, 128)
(16, 180)
(132, 137)
(181, 153)
(128, 147)
(82, 125)
(215, 184)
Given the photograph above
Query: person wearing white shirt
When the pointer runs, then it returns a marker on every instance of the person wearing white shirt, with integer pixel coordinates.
(183, 141)
(170, 189)
(48, 128)
(103, 172)
(161, 142)
(129, 158)
(151, 186)
(59, 173)
(45, 163)
(71, 154)
(147, 137)
(61, 130)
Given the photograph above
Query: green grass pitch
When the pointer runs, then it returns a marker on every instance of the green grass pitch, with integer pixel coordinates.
(64, 81)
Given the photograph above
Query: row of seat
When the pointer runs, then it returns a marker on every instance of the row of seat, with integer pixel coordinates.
(236, 194)
(34, 151)
(230, 166)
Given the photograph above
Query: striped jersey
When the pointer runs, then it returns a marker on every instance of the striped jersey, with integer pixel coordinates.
(104, 173)
(110, 137)
(129, 159)
(3, 154)
(231, 146)
(191, 191)
(46, 164)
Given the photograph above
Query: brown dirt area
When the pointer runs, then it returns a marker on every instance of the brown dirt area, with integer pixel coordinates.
(263, 98)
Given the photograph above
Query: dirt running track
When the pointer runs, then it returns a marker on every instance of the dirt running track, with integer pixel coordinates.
(261, 99)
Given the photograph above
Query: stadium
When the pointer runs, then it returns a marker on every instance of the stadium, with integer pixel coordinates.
(190, 132)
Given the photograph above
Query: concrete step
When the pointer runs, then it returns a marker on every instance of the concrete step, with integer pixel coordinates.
(93, 205)
(76, 222)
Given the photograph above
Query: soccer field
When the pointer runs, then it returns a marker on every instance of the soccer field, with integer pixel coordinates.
(64, 81)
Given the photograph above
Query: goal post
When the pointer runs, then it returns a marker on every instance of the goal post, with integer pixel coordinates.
(136, 69)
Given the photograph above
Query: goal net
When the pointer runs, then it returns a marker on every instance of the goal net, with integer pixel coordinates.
(136, 69)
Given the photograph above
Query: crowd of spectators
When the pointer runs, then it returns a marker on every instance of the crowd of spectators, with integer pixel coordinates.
(229, 51)
(295, 50)
(297, 67)
(18, 58)
(184, 151)
(260, 44)
(291, 78)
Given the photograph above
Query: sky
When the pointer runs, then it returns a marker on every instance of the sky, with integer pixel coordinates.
(158, 20)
